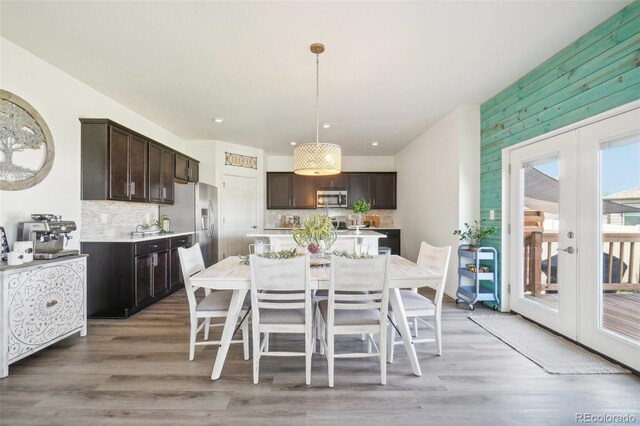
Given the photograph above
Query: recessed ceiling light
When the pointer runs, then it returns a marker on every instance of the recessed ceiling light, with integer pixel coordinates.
(293, 143)
(326, 125)
(218, 120)
(375, 143)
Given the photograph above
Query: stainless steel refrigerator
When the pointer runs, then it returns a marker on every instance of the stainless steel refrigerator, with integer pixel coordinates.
(195, 210)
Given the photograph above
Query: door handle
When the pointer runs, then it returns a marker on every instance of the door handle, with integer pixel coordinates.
(254, 227)
(569, 250)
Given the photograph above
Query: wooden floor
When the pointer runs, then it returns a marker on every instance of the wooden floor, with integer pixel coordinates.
(136, 371)
(621, 312)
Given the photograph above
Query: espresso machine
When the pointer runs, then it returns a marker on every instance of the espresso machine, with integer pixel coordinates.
(49, 234)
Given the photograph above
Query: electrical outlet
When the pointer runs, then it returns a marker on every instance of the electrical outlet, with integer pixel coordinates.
(103, 218)
(492, 214)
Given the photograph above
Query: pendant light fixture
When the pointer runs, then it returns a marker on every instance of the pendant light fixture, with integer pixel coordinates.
(317, 159)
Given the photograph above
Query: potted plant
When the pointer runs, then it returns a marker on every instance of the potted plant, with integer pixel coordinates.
(474, 234)
(317, 233)
(361, 207)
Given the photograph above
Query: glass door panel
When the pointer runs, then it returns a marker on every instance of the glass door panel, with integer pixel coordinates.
(542, 239)
(619, 303)
(540, 207)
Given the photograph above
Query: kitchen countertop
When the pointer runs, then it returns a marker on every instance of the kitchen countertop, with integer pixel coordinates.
(129, 239)
(341, 233)
(371, 228)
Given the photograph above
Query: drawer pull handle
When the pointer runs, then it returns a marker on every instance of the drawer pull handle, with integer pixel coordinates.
(154, 246)
(52, 303)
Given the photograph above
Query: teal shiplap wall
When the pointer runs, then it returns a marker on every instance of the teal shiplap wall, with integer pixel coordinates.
(598, 72)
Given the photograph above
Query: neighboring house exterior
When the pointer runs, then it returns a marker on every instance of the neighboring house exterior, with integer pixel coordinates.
(630, 197)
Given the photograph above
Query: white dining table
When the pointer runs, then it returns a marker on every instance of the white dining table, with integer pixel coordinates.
(230, 274)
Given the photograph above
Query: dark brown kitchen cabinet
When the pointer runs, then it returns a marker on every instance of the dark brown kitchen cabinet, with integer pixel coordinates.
(377, 188)
(383, 187)
(279, 190)
(392, 241)
(120, 164)
(144, 280)
(168, 160)
(119, 161)
(124, 278)
(304, 192)
(287, 190)
(160, 174)
(128, 166)
(333, 182)
(359, 188)
(155, 173)
(187, 170)
(175, 272)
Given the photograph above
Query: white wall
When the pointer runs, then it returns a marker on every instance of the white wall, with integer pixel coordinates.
(281, 163)
(438, 184)
(61, 100)
(205, 152)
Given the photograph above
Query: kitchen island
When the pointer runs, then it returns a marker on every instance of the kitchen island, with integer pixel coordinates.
(282, 237)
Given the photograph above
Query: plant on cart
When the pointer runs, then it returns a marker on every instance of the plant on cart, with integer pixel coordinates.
(474, 234)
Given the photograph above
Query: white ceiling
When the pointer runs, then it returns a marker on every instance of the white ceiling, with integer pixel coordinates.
(391, 69)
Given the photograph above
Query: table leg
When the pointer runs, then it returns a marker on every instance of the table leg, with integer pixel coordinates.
(403, 325)
(230, 323)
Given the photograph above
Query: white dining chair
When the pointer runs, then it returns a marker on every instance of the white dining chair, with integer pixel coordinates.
(281, 303)
(418, 307)
(215, 304)
(365, 312)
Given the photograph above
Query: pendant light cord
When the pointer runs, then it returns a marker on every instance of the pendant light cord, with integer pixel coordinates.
(317, 98)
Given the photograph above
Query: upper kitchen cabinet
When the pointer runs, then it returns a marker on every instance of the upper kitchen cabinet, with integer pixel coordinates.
(378, 188)
(160, 174)
(120, 164)
(279, 190)
(114, 163)
(359, 188)
(287, 190)
(187, 169)
(332, 183)
(383, 194)
(304, 192)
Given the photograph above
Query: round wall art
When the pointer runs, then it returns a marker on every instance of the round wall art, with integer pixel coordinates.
(26, 145)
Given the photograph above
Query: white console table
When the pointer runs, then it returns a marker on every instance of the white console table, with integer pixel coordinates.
(41, 302)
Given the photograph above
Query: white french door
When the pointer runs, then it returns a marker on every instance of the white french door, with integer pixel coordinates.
(610, 244)
(543, 203)
(574, 245)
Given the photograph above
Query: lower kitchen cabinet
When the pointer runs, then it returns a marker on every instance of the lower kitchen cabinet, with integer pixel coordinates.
(124, 278)
(392, 241)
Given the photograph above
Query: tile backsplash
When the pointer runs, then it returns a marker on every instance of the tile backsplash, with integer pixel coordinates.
(272, 217)
(121, 218)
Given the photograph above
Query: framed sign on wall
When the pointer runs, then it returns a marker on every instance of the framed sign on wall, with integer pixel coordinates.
(26, 145)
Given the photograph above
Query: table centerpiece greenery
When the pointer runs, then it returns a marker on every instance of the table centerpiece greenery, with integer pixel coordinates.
(317, 233)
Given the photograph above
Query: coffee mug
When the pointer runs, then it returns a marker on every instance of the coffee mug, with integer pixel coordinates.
(26, 248)
(14, 258)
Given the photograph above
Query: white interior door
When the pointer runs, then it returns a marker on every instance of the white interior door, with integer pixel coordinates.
(610, 237)
(543, 232)
(240, 213)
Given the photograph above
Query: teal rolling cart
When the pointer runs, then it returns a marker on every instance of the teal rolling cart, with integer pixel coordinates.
(472, 268)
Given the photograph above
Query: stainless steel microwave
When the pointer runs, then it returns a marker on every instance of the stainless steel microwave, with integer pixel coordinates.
(331, 198)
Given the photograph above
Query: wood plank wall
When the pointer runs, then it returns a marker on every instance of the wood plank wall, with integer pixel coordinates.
(598, 72)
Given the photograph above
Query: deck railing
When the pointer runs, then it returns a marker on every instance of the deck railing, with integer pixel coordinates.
(621, 255)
